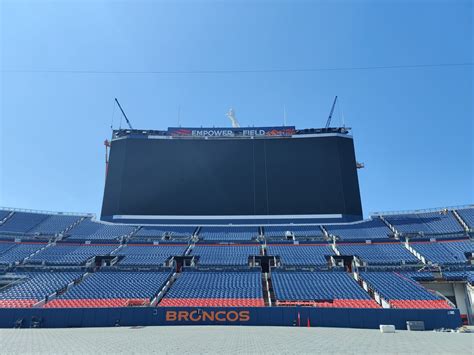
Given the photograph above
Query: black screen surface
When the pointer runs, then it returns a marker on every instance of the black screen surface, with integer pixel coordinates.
(231, 177)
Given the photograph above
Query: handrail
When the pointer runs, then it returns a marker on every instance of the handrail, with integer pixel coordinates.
(424, 210)
(13, 209)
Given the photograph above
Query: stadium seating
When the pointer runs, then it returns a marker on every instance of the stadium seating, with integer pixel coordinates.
(225, 254)
(19, 251)
(366, 230)
(319, 289)
(172, 232)
(298, 231)
(22, 222)
(216, 289)
(221, 276)
(228, 233)
(459, 276)
(30, 287)
(426, 223)
(148, 255)
(419, 275)
(4, 214)
(70, 254)
(401, 291)
(445, 252)
(300, 254)
(112, 289)
(379, 254)
(5, 246)
(467, 214)
(89, 230)
(55, 224)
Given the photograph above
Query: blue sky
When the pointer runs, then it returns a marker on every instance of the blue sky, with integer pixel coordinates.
(413, 127)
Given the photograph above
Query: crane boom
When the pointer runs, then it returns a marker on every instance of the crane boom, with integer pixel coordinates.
(328, 123)
(123, 113)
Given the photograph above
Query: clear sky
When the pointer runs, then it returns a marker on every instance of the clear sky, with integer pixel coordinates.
(413, 127)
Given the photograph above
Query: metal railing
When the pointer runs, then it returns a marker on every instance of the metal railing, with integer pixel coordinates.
(425, 210)
(81, 214)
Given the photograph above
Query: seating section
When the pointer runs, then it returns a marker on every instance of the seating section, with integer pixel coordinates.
(228, 233)
(225, 255)
(419, 275)
(4, 214)
(401, 291)
(148, 255)
(427, 223)
(40, 271)
(319, 289)
(379, 254)
(467, 214)
(70, 254)
(366, 230)
(301, 255)
(112, 289)
(22, 222)
(172, 232)
(29, 288)
(19, 251)
(5, 246)
(89, 230)
(298, 231)
(55, 224)
(216, 289)
(459, 276)
(445, 252)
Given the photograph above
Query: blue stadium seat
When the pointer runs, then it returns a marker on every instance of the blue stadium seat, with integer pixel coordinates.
(225, 255)
(19, 252)
(4, 214)
(379, 254)
(228, 233)
(70, 254)
(322, 289)
(459, 276)
(113, 289)
(402, 291)
(90, 230)
(148, 255)
(445, 252)
(467, 214)
(298, 231)
(159, 232)
(55, 224)
(22, 222)
(366, 230)
(216, 288)
(30, 287)
(427, 223)
(300, 254)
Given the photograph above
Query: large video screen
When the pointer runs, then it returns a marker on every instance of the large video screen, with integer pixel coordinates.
(232, 177)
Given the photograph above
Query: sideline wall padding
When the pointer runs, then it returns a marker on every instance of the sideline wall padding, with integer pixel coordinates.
(273, 316)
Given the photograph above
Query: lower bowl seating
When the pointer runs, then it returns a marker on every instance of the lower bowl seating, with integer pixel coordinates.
(319, 289)
(17, 303)
(216, 289)
(403, 292)
(96, 303)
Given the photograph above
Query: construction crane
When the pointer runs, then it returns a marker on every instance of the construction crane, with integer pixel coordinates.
(328, 123)
(123, 113)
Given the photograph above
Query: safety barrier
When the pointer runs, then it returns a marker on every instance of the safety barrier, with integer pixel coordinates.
(273, 316)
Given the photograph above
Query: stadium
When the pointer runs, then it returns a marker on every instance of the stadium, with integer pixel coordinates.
(256, 226)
